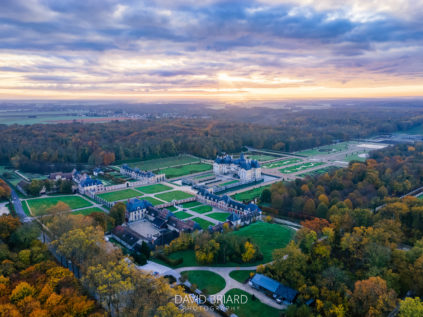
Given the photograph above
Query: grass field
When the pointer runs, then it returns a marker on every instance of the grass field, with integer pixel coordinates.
(252, 307)
(191, 204)
(152, 189)
(204, 176)
(202, 209)
(300, 167)
(174, 195)
(318, 171)
(172, 208)
(119, 195)
(25, 208)
(206, 281)
(183, 170)
(182, 215)
(204, 224)
(281, 163)
(268, 237)
(87, 212)
(261, 157)
(230, 182)
(219, 216)
(326, 149)
(240, 275)
(150, 165)
(249, 194)
(153, 201)
(39, 205)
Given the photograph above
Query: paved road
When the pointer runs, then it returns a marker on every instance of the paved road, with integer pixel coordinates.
(231, 283)
(17, 204)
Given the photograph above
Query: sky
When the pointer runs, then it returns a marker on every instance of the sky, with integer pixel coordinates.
(227, 51)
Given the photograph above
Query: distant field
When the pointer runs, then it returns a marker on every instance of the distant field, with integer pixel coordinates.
(326, 149)
(208, 282)
(249, 194)
(152, 189)
(174, 195)
(261, 157)
(219, 216)
(268, 237)
(160, 163)
(204, 224)
(153, 201)
(202, 209)
(183, 170)
(87, 212)
(300, 167)
(119, 195)
(19, 117)
(281, 163)
(182, 214)
(39, 205)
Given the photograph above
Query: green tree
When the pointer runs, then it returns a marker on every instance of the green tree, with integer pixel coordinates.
(118, 213)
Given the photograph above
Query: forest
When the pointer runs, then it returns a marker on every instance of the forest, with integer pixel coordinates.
(352, 258)
(44, 148)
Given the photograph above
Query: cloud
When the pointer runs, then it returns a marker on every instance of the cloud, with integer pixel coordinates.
(186, 45)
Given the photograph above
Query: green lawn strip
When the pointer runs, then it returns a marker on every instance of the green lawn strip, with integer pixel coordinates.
(172, 208)
(163, 162)
(207, 281)
(191, 204)
(25, 208)
(251, 307)
(219, 216)
(241, 275)
(230, 182)
(202, 209)
(183, 170)
(268, 237)
(204, 224)
(87, 212)
(39, 205)
(182, 214)
(300, 167)
(250, 194)
(120, 195)
(281, 163)
(153, 201)
(174, 195)
(152, 189)
(203, 176)
(188, 257)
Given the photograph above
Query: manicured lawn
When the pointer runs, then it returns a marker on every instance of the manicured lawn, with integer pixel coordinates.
(208, 282)
(191, 204)
(152, 189)
(182, 214)
(251, 307)
(174, 195)
(230, 182)
(268, 237)
(188, 257)
(249, 194)
(39, 205)
(153, 201)
(87, 212)
(204, 224)
(120, 195)
(202, 209)
(261, 157)
(300, 167)
(281, 163)
(25, 208)
(172, 208)
(150, 165)
(203, 176)
(220, 216)
(183, 170)
(240, 275)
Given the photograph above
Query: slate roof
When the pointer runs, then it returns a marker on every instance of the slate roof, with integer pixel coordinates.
(126, 235)
(88, 181)
(137, 171)
(134, 204)
(241, 162)
(274, 287)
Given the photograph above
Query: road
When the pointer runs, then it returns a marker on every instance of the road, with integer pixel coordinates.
(17, 204)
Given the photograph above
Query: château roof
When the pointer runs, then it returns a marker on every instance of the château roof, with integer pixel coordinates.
(241, 162)
(135, 204)
(88, 181)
